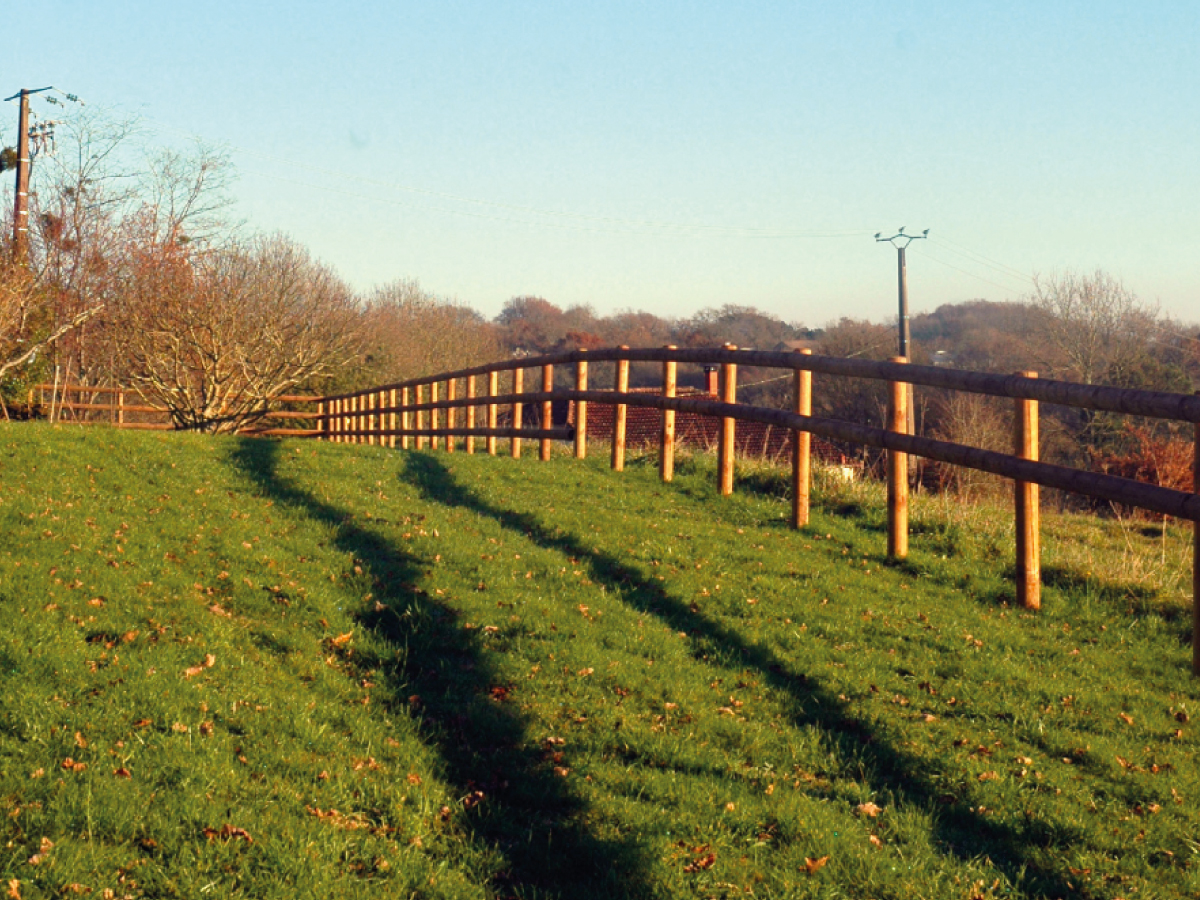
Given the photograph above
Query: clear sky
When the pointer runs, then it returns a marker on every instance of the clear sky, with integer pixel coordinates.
(674, 155)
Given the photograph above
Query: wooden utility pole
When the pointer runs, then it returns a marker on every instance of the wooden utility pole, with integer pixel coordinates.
(21, 195)
(900, 241)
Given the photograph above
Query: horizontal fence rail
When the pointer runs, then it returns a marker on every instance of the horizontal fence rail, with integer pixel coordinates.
(124, 408)
(425, 413)
(1100, 398)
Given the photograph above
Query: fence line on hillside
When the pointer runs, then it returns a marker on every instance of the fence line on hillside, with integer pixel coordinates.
(408, 413)
(123, 407)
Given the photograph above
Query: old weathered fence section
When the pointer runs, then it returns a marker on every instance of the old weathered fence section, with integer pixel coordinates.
(76, 404)
(401, 412)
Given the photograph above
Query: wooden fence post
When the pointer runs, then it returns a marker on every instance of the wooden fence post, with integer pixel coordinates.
(1026, 505)
(451, 413)
(493, 389)
(547, 411)
(517, 409)
(801, 449)
(419, 424)
(897, 470)
(1196, 553)
(372, 418)
(405, 418)
(322, 425)
(725, 448)
(335, 422)
(435, 417)
(120, 408)
(581, 383)
(392, 398)
(619, 414)
(352, 420)
(469, 443)
(666, 443)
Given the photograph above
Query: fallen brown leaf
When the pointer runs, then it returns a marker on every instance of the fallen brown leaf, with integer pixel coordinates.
(815, 865)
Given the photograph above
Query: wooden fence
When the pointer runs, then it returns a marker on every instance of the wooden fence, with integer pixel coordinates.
(409, 414)
(78, 404)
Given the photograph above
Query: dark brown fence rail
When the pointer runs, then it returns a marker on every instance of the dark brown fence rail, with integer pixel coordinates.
(437, 410)
(77, 404)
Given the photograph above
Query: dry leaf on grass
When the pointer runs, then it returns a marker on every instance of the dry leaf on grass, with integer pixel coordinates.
(815, 865)
(192, 671)
(868, 809)
(228, 832)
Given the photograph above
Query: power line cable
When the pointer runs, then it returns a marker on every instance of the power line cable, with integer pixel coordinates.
(977, 257)
(942, 262)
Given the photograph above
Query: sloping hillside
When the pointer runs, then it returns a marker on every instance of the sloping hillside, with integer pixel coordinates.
(246, 668)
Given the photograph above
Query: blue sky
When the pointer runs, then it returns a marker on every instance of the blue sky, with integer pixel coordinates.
(672, 156)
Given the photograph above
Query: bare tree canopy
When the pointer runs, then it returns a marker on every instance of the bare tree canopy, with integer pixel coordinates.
(410, 332)
(214, 334)
(1094, 326)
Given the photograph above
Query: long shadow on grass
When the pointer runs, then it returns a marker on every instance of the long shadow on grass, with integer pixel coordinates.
(526, 812)
(958, 829)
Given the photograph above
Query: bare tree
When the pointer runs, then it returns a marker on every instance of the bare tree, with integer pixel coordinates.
(214, 334)
(101, 194)
(1094, 326)
(410, 332)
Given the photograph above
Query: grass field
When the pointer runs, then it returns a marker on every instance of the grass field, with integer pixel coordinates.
(248, 668)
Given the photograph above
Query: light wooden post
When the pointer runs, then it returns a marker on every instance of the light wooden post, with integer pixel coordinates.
(372, 418)
(801, 449)
(322, 425)
(581, 383)
(435, 417)
(1196, 554)
(451, 413)
(725, 448)
(1028, 513)
(547, 411)
(518, 381)
(666, 443)
(355, 437)
(619, 413)
(493, 389)
(120, 408)
(336, 421)
(405, 418)
(897, 470)
(469, 443)
(392, 398)
(419, 394)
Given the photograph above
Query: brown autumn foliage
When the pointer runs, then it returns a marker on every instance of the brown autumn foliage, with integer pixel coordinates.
(1150, 456)
(214, 334)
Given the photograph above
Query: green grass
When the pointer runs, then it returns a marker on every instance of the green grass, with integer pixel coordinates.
(246, 668)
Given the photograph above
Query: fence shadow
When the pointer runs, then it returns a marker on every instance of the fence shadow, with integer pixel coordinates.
(959, 830)
(526, 812)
